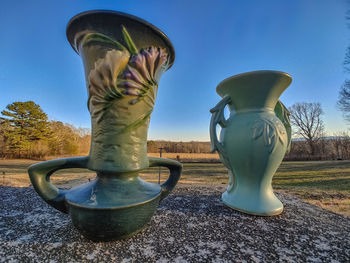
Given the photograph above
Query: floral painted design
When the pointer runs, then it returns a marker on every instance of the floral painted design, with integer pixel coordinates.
(124, 72)
(143, 73)
(103, 87)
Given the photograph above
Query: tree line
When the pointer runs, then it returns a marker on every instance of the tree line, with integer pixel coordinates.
(178, 147)
(26, 132)
(336, 147)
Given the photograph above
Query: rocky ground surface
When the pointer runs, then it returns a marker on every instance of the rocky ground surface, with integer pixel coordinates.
(190, 225)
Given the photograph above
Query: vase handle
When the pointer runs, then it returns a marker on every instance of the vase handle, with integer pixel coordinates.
(283, 113)
(175, 172)
(218, 117)
(40, 177)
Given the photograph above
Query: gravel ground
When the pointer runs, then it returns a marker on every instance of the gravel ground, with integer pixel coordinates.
(191, 225)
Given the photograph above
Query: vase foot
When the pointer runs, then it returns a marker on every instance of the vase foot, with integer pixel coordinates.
(269, 205)
(108, 224)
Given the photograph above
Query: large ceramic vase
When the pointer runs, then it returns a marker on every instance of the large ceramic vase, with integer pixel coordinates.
(123, 58)
(253, 140)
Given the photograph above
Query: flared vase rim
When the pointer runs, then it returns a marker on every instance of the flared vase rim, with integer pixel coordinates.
(252, 73)
(71, 34)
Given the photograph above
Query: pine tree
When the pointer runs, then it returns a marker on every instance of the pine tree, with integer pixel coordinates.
(27, 123)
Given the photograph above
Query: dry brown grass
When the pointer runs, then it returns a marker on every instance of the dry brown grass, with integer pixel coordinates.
(325, 184)
(189, 157)
(339, 206)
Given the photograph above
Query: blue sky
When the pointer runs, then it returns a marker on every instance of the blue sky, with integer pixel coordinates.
(213, 40)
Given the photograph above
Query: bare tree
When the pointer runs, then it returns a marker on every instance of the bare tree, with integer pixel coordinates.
(341, 144)
(306, 118)
(343, 102)
(347, 52)
(338, 144)
(344, 99)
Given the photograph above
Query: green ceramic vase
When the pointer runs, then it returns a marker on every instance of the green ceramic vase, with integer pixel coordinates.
(124, 57)
(253, 140)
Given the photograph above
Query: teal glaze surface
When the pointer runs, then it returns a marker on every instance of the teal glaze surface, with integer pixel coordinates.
(113, 191)
(102, 209)
(111, 207)
(124, 57)
(114, 223)
(253, 140)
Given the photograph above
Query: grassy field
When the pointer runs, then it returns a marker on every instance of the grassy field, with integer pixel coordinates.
(190, 157)
(326, 183)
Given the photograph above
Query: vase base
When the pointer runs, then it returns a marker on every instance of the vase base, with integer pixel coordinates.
(273, 208)
(112, 224)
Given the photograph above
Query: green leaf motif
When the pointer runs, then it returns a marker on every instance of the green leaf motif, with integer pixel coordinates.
(283, 114)
(129, 42)
(139, 122)
(98, 38)
(257, 131)
(271, 131)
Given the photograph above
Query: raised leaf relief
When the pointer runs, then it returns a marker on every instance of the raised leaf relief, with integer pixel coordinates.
(271, 131)
(283, 114)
